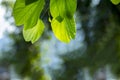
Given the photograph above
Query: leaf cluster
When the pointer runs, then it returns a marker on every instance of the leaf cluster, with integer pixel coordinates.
(27, 13)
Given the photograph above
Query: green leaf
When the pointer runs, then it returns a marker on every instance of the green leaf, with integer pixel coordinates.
(27, 15)
(18, 12)
(62, 8)
(33, 34)
(65, 30)
(63, 24)
(27, 2)
(115, 2)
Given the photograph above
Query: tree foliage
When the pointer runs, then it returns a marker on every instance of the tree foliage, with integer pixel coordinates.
(27, 13)
(102, 38)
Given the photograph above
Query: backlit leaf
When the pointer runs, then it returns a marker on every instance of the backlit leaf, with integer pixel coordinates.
(65, 30)
(62, 7)
(33, 34)
(27, 14)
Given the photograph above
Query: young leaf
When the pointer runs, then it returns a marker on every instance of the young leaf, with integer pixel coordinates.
(27, 14)
(65, 30)
(63, 24)
(33, 34)
(62, 7)
(115, 2)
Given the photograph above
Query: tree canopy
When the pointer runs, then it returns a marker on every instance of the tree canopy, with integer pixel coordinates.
(98, 23)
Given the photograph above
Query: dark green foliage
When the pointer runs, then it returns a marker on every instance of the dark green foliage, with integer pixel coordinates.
(26, 56)
(27, 2)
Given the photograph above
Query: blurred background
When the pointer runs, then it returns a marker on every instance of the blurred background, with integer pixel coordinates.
(93, 55)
